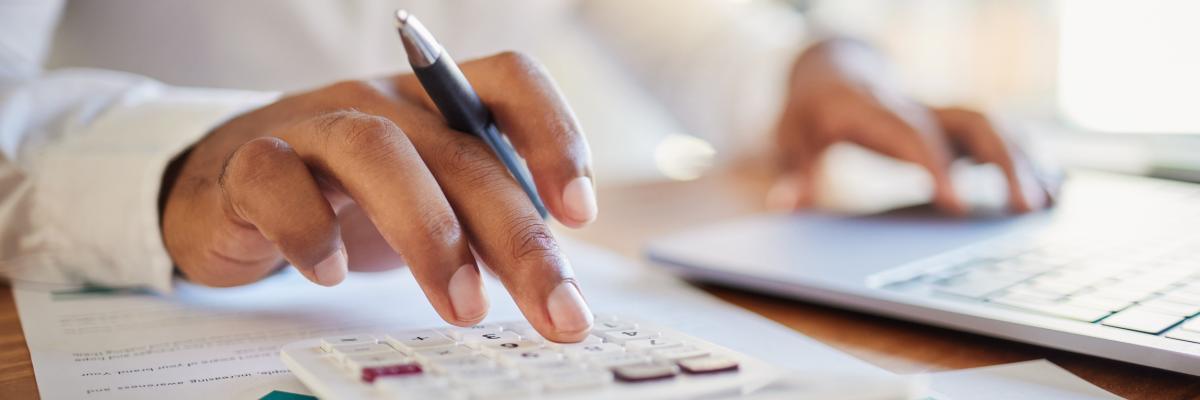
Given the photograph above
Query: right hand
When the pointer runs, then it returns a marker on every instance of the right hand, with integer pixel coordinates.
(366, 175)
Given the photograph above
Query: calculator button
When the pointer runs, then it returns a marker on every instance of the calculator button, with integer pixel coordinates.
(411, 341)
(530, 356)
(417, 388)
(460, 333)
(510, 345)
(503, 389)
(678, 353)
(482, 374)
(650, 344)
(549, 367)
(328, 343)
(359, 361)
(592, 350)
(447, 352)
(530, 335)
(462, 363)
(644, 372)
(707, 365)
(623, 336)
(369, 374)
(617, 360)
(343, 351)
(613, 325)
(575, 380)
(477, 340)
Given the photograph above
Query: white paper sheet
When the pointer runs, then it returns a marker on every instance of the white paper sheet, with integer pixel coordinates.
(206, 343)
(1030, 380)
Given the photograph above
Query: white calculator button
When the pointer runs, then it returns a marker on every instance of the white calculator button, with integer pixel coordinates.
(503, 389)
(590, 339)
(413, 340)
(678, 353)
(530, 356)
(328, 343)
(623, 336)
(530, 335)
(510, 345)
(515, 325)
(462, 363)
(446, 352)
(460, 333)
(613, 325)
(589, 350)
(480, 339)
(359, 361)
(549, 367)
(644, 372)
(576, 380)
(618, 359)
(707, 365)
(418, 388)
(343, 351)
(643, 345)
(482, 374)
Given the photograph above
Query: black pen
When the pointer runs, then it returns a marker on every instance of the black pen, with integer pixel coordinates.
(457, 100)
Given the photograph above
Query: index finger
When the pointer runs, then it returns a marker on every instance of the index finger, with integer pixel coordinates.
(528, 107)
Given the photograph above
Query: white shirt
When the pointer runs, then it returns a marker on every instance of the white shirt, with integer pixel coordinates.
(96, 97)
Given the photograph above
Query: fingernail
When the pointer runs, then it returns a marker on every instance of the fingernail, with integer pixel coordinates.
(466, 293)
(332, 270)
(579, 199)
(568, 311)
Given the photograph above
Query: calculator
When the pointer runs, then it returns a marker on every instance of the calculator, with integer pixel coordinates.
(621, 358)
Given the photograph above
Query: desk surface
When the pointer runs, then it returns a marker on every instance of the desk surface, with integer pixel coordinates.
(632, 214)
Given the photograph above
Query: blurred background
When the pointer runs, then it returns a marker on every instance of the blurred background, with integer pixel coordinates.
(1111, 84)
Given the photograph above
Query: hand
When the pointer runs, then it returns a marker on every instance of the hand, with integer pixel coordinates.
(365, 175)
(840, 91)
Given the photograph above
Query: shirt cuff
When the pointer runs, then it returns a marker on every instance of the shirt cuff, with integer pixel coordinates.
(98, 187)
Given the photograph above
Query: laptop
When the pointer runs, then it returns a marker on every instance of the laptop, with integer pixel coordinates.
(1112, 271)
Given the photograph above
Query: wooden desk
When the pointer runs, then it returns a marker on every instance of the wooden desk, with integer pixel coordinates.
(632, 214)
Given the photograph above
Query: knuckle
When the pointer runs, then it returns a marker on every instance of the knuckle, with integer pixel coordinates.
(469, 161)
(440, 226)
(530, 240)
(255, 162)
(364, 135)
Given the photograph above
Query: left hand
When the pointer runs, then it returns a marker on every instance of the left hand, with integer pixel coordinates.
(840, 91)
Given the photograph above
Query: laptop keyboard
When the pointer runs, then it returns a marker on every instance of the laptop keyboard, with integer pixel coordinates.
(1148, 284)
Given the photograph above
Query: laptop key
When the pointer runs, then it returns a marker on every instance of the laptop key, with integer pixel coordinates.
(979, 285)
(1185, 335)
(1167, 306)
(1192, 325)
(1139, 319)
(1061, 310)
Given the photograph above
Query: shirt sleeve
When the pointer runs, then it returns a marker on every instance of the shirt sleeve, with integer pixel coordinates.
(720, 66)
(82, 156)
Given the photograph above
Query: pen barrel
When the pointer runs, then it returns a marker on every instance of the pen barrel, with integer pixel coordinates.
(454, 96)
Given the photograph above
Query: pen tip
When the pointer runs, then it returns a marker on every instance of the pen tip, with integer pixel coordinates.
(401, 17)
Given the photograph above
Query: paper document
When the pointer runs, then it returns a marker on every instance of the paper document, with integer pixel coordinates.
(205, 343)
(1030, 380)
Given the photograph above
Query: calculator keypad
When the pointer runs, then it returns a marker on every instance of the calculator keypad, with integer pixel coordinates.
(511, 360)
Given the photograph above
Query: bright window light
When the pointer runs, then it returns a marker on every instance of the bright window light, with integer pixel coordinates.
(1130, 66)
